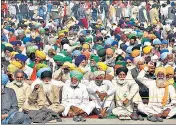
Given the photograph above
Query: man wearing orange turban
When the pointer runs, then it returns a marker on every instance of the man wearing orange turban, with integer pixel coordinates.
(162, 96)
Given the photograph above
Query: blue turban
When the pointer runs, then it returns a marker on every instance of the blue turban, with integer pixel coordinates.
(79, 59)
(172, 4)
(156, 41)
(117, 37)
(129, 49)
(109, 41)
(15, 42)
(164, 42)
(83, 32)
(11, 30)
(76, 52)
(114, 43)
(164, 50)
(76, 74)
(39, 72)
(21, 57)
(37, 39)
(129, 58)
(164, 55)
(26, 39)
(124, 47)
(4, 79)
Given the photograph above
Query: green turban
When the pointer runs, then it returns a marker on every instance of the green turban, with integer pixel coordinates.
(76, 74)
(63, 52)
(41, 65)
(98, 47)
(101, 52)
(88, 39)
(145, 40)
(140, 34)
(31, 49)
(67, 59)
(42, 31)
(131, 35)
(122, 63)
(58, 58)
(2, 46)
(95, 58)
(32, 64)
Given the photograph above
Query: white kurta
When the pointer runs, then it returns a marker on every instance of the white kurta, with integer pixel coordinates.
(130, 91)
(76, 97)
(107, 87)
(28, 70)
(155, 97)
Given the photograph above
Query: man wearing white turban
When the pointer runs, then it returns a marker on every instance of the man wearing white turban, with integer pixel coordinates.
(101, 92)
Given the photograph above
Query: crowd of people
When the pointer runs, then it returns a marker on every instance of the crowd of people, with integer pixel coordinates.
(82, 58)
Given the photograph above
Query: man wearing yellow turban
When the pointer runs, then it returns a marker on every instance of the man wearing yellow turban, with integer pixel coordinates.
(135, 53)
(162, 96)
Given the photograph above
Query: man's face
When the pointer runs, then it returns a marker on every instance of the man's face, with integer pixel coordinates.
(92, 62)
(83, 63)
(19, 77)
(7, 53)
(132, 41)
(157, 46)
(46, 80)
(122, 75)
(108, 56)
(170, 58)
(129, 62)
(160, 75)
(139, 64)
(99, 79)
(152, 69)
(37, 59)
(74, 80)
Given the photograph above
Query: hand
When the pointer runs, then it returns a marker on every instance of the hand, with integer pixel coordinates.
(3, 116)
(166, 112)
(102, 96)
(70, 113)
(36, 87)
(125, 102)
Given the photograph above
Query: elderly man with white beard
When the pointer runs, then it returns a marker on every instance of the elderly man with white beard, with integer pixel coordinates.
(126, 95)
(44, 94)
(101, 92)
(162, 98)
(75, 98)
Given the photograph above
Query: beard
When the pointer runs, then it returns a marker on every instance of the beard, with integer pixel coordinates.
(74, 85)
(98, 82)
(121, 82)
(160, 83)
(130, 67)
(47, 87)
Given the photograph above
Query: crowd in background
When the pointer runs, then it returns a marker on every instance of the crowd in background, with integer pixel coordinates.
(110, 59)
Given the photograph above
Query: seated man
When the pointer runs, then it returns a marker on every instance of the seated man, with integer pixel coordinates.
(101, 92)
(162, 98)
(21, 88)
(44, 95)
(126, 95)
(75, 98)
(9, 106)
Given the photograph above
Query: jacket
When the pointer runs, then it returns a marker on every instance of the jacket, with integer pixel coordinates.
(154, 16)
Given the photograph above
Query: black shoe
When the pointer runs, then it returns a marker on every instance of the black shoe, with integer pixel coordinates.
(152, 118)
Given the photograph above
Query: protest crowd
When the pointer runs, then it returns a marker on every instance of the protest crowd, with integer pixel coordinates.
(81, 59)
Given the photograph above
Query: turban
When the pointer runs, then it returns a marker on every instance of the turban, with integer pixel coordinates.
(86, 54)
(102, 66)
(156, 41)
(164, 55)
(114, 43)
(169, 70)
(76, 53)
(31, 49)
(67, 59)
(109, 41)
(3, 46)
(101, 52)
(129, 58)
(98, 47)
(129, 49)
(98, 73)
(88, 39)
(10, 49)
(79, 59)
(21, 57)
(119, 58)
(41, 65)
(85, 46)
(121, 63)
(26, 39)
(17, 64)
(121, 69)
(109, 51)
(152, 36)
(135, 53)
(4, 79)
(40, 54)
(117, 37)
(123, 37)
(160, 69)
(140, 34)
(46, 74)
(39, 72)
(15, 42)
(76, 74)
(70, 65)
(12, 54)
(12, 68)
(37, 39)
(163, 51)
(42, 31)
(147, 49)
(13, 38)
(94, 57)
(138, 59)
(164, 42)
(131, 36)
(117, 30)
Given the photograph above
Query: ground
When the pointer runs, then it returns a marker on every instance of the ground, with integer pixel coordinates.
(113, 121)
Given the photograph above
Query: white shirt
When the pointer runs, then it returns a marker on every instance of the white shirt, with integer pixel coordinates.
(74, 97)
(28, 70)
